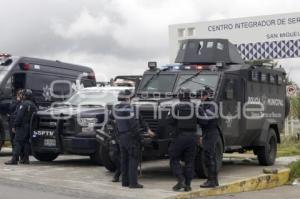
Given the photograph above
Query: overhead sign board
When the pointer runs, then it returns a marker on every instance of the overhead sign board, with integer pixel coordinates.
(262, 37)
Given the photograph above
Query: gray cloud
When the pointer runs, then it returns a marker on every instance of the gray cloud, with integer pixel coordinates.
(113, 36)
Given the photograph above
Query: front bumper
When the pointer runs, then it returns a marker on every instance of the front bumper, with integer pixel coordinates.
(80, 145)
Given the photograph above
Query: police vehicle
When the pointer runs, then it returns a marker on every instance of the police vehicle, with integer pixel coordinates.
(251, 99)
(49, 81)
(69, 126)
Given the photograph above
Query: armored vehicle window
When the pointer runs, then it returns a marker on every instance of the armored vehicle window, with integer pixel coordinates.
(254, 76)
(19, 81)
(161, 83)
(8, 88)
(197, 83)
(264, 78)
(279, 80)
(87, 83)
(229, 90)
(272, 79)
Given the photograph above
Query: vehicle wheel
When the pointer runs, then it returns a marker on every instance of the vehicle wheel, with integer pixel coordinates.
(266, 155)
(45, 157)
(96, 157)
(106, 160)
(200, 167)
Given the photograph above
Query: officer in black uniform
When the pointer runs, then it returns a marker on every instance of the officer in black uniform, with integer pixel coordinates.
(12, 113)
(22, 129)
(210, 136)
(130, 134)
(184, 145)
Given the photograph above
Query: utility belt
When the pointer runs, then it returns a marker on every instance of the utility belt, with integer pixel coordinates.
(123, 132)
(187, 132)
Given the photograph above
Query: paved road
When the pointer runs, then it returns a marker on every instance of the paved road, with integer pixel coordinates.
(286, 192)
(75, 177)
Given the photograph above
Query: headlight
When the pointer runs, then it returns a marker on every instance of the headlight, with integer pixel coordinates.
(89, 122)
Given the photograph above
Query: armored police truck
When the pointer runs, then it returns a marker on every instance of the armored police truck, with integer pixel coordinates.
(49, 81)
(251, 100)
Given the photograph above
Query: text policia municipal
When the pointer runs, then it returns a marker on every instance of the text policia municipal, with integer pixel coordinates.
(254, 24)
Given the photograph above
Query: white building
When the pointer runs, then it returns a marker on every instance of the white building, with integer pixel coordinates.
(262, 37)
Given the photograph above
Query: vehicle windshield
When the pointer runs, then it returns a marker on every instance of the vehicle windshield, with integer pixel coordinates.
(2, 74)
(198, 82)
(93, 98)
(161, 83)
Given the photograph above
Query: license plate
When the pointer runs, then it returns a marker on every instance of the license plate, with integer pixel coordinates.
(87, 130)
(50, 142)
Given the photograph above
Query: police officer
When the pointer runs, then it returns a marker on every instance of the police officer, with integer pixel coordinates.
(210, 136)
(130, 134)
(22, 128)
(184, 145)
(12, 113)
(11, 110)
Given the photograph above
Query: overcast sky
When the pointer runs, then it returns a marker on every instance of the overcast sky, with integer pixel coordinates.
(116, 36)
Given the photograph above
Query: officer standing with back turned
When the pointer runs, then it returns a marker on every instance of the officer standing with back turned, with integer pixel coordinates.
(210, 137)
(130, 133)
(12, 113)
(184, 145)
(22, 129)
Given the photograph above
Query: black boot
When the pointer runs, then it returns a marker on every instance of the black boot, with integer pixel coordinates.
(180, 184)
(13, 161)
(188, 188)
(210, 183)
(188, 185)
(24, 160)
(137, 186)
(217, 181)
(116, 177)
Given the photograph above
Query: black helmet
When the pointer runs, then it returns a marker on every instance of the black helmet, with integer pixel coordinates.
(184, 94)
(125, 95)
(27, 93)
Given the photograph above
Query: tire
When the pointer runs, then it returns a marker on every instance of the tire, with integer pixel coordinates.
(200, 167)
(266, 154)
(96, 157)
(45, 157)
(106, 160)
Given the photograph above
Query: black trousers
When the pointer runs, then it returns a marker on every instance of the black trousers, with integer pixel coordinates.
(115, 155)
(183, 148)
(21, 149)
(22, 143)
(130, 151)
(210, 139)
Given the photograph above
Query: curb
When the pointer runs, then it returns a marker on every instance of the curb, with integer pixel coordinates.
(260, 182)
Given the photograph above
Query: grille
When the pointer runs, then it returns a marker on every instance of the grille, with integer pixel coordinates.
(149, 117)
(48, 123)
(51, 123)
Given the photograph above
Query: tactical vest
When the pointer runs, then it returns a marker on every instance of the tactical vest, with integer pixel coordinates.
(187, 120)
